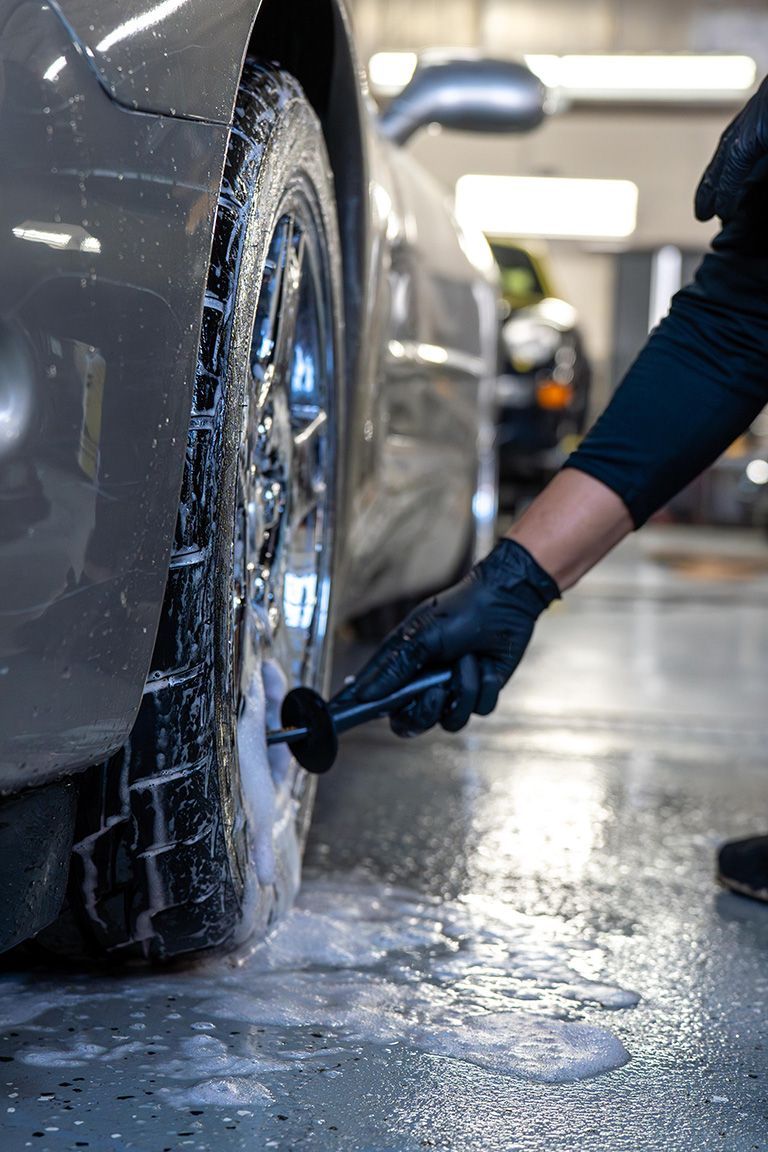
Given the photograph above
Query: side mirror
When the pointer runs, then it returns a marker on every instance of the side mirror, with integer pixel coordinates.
(471, 94)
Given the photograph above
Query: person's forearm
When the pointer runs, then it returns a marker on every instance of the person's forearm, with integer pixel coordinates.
(571, 525)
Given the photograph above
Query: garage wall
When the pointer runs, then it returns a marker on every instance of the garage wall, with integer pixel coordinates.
(662, 150)
(513, 26)
(663, 155)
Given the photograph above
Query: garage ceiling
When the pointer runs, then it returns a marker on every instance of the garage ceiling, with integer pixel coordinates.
(510, 27)
(662, 148)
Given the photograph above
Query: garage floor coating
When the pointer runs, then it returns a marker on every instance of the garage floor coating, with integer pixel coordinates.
(480, 916)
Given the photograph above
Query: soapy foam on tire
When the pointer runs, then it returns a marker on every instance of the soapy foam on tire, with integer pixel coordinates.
(266, 776)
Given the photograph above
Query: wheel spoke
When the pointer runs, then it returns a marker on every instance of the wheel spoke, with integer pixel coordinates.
(270, 298)
(289, 305)
(286, 455)
(309, 462)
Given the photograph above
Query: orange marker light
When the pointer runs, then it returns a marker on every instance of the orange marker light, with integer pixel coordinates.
(552, 396)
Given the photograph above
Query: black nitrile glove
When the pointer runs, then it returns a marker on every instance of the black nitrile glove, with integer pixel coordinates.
(481, 626)
(742, 145)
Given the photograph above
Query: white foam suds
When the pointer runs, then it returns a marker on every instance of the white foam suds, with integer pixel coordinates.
(275, 689)
(266, 775)
(258, 788)
(355, 963)
(229, 1092)
(75, 1057)
(551, 1051)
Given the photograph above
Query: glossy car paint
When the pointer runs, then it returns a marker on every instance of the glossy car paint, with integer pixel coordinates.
(429, 397)
(107, 215)
(178, 57)
(105, 223)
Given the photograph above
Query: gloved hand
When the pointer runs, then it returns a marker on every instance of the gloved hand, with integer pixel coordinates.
(481, 626)
(742, 145)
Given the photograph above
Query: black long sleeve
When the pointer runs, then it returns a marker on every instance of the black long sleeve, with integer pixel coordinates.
(701, 379)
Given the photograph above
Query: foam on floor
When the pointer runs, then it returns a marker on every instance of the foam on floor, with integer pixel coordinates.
(354, 963)
(234, 1090)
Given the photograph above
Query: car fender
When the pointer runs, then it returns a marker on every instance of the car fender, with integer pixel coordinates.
(184, 58)
(106, 218)
(177, 57)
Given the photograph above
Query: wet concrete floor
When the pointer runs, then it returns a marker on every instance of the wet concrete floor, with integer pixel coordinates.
(509, 939)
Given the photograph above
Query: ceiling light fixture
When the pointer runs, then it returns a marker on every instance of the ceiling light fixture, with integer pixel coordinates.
(389, 72)
(707, 78)
(548, 206)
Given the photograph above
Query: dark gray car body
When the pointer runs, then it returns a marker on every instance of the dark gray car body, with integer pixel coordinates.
(114, 123)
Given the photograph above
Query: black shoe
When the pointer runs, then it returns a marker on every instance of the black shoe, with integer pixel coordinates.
(742, 866)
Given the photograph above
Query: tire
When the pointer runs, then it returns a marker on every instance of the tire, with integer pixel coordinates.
(186, 839)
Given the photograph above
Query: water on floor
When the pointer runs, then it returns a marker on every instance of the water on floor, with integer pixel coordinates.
(509, 939)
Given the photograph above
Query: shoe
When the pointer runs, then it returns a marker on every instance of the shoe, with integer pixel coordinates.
(742, 866)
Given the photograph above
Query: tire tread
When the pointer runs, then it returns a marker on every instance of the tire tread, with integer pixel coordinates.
(136, 810)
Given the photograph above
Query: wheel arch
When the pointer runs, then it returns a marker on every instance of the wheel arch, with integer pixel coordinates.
(326, 66)
(186, 61)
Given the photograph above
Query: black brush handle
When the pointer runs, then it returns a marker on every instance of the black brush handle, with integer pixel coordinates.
(286, 735)
(355, 714)
(312, 726)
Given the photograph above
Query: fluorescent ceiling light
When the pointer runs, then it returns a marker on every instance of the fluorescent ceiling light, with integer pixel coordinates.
(389, 72)
(547, 206)
(646, 77)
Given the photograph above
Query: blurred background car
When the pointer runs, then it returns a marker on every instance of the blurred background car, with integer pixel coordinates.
(545, 374)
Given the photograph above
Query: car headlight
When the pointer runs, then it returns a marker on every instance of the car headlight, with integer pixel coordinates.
(530, 343)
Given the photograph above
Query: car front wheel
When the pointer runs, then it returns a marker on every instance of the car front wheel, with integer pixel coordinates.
(190, 837)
